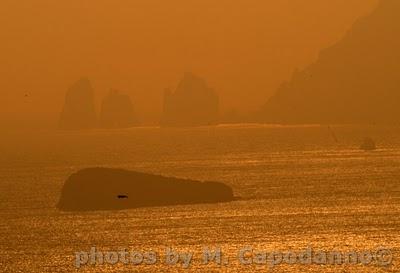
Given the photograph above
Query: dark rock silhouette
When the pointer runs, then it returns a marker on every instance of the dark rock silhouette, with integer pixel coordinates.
(368, 144)
(79, 109)
(117, 111)
(355, 81)
(103, 189)
(192, 104)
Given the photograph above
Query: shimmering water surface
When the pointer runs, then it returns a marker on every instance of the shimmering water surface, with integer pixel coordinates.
(298, 188)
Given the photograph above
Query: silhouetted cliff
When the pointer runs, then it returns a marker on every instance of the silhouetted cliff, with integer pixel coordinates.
(113, 189)
(117, 111)
(355, 81)
(192, 104)
(79, 110)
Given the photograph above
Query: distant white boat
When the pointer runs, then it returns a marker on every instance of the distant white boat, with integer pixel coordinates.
(368, 144)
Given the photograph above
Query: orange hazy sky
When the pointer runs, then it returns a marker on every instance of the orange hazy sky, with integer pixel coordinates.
(244, 48)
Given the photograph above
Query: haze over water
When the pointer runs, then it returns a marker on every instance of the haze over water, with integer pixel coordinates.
(112, 113)
(244, 48)
(298, 188)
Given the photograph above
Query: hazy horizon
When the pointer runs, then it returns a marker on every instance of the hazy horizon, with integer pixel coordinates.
(244, 50)
(200, 136)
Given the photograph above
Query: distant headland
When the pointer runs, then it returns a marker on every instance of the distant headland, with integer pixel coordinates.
(354, 81)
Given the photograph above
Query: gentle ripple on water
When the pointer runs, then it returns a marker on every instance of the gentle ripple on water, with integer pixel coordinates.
(298, 188)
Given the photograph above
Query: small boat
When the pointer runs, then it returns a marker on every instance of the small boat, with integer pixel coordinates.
(122, 196)
(368, 144)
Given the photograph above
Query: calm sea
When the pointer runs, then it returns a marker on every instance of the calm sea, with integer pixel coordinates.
(299, 189)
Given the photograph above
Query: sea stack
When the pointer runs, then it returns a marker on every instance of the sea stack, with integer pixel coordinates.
(116, 189)
(117, 111)
(79, 108)
(192, 104)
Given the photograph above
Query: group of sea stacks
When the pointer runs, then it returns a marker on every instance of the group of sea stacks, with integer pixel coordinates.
(354, 81)
(79, 110)
(192, 104)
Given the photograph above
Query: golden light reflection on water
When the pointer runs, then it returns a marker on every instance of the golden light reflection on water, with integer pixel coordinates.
(294, 194)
